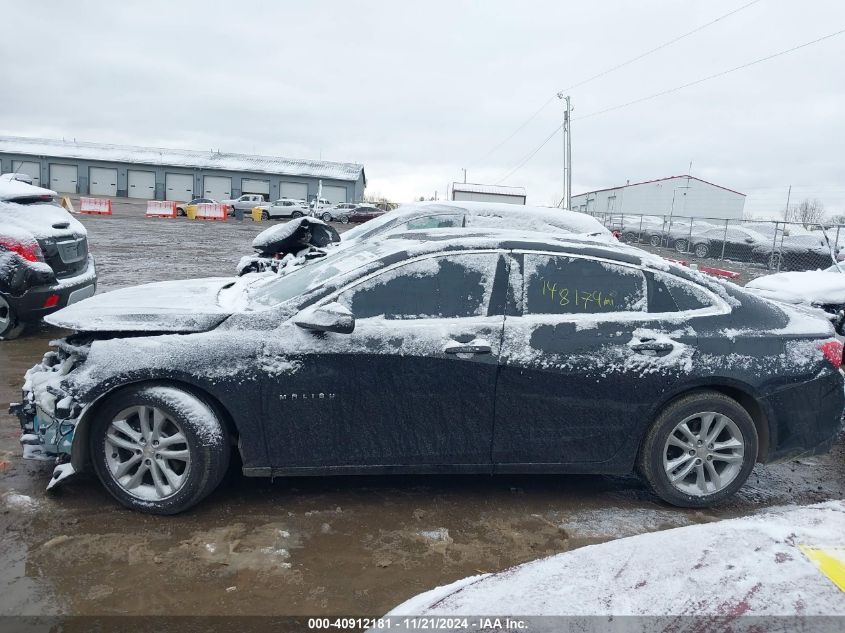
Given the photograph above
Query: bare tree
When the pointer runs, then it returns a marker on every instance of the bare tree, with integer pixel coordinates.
(807, 213)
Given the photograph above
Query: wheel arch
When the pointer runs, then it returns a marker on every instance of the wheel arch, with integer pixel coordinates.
(747, 397)
(80, 454)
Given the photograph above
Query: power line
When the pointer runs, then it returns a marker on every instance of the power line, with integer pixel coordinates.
(530, 155)
(608, 71)
(657, 48)
(709, 77)
(669, 91)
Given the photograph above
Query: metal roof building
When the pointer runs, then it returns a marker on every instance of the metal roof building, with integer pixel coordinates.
(171, 174)
(682, 196)
(469, 191)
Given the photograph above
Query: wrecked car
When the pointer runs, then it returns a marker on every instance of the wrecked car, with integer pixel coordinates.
(287, 242)
(443, 351)
(44, 259)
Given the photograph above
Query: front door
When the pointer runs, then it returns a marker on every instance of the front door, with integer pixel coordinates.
(583, 365)
(412, 388)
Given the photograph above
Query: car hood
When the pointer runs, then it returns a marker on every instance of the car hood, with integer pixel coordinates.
(817, 287)
(169, 306)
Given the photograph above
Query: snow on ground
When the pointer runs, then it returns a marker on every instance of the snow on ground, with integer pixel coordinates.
(751, 566)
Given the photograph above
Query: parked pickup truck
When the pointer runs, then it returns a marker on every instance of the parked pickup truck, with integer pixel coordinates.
(245, 203)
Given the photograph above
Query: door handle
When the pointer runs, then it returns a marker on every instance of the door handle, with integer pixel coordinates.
(477, 346)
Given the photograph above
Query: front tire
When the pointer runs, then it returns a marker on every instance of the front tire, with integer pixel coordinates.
(265, 215)
(681, 246)
(296, 215)
(327, 217)
(158, 449)
(10, 326)
(699, 451)
(344, 219)
(701, 251)
(655, 240)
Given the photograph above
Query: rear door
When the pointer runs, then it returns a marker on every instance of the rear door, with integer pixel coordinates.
(412, 387)
(583, 363)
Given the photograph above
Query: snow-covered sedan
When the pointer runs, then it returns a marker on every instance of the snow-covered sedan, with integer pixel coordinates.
(44, 260)
(426, 215)
(442, 351)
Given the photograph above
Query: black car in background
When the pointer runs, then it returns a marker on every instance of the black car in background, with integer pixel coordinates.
(735, 242)
(441, 351)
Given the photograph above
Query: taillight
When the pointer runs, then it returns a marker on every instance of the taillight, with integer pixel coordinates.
(30, 251)
(832, 351)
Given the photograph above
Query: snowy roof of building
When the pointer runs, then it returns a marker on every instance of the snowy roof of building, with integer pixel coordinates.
(648, 182)
(472, 187)
(226, 161)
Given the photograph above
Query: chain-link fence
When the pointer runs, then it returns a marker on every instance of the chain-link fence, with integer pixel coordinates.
(754, 247)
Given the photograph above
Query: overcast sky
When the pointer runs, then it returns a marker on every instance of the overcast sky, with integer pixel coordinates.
(417, 91)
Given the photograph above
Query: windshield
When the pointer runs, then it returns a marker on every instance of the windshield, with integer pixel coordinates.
(368, 228)
(278, 289)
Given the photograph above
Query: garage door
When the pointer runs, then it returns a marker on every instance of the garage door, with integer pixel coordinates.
(217, 187)
(179, 187)
(334, 194)
(256, 186)
(63, 178)
(295, 190)
(30, 168)
(103, 181)
(142, 184)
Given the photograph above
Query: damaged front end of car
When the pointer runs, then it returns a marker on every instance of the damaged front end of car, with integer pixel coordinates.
(49, 411)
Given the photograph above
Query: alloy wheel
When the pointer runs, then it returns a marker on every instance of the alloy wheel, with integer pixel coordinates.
(703, 454)
(147, 453)
(5, 315)
(701, 250)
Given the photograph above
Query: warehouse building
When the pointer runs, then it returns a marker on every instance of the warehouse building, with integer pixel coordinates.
(468, 191)
(683, 196)
(150, 173)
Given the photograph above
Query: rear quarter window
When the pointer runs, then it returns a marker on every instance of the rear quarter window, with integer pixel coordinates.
(670, 294)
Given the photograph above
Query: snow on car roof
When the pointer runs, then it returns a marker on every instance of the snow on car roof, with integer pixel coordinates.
(12, 189)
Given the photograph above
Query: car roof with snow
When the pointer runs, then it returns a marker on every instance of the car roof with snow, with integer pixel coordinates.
(486, 215)
(13, 190)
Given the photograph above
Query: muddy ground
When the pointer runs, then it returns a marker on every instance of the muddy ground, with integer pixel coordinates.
(329, 546)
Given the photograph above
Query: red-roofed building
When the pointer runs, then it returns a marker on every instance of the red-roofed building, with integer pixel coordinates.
(681, 196)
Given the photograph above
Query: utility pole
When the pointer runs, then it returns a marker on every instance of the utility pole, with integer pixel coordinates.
(465, 175)
(567, 152)
(788, 196)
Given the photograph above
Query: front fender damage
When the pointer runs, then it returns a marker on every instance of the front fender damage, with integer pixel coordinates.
(49, 412)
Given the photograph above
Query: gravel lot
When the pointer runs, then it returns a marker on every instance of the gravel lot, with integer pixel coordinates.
(345, 545)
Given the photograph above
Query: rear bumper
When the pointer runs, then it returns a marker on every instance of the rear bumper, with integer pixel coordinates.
(30, 305)
(809, 416)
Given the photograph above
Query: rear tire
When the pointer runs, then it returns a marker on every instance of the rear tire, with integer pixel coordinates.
(265, 215)
(655, 240)
(630, 237)
(10, 326)
(681, 246)
(699, 451)
(327, 217)
(701, 250)
(344, 219)
(296, 215)
(163, 466)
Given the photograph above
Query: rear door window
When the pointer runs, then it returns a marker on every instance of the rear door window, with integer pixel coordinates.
(452, 286)
(557, 284)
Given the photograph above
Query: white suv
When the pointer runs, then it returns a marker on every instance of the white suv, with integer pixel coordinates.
(284, 208)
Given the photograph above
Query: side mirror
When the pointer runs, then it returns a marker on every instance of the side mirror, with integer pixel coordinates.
(331, 317)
